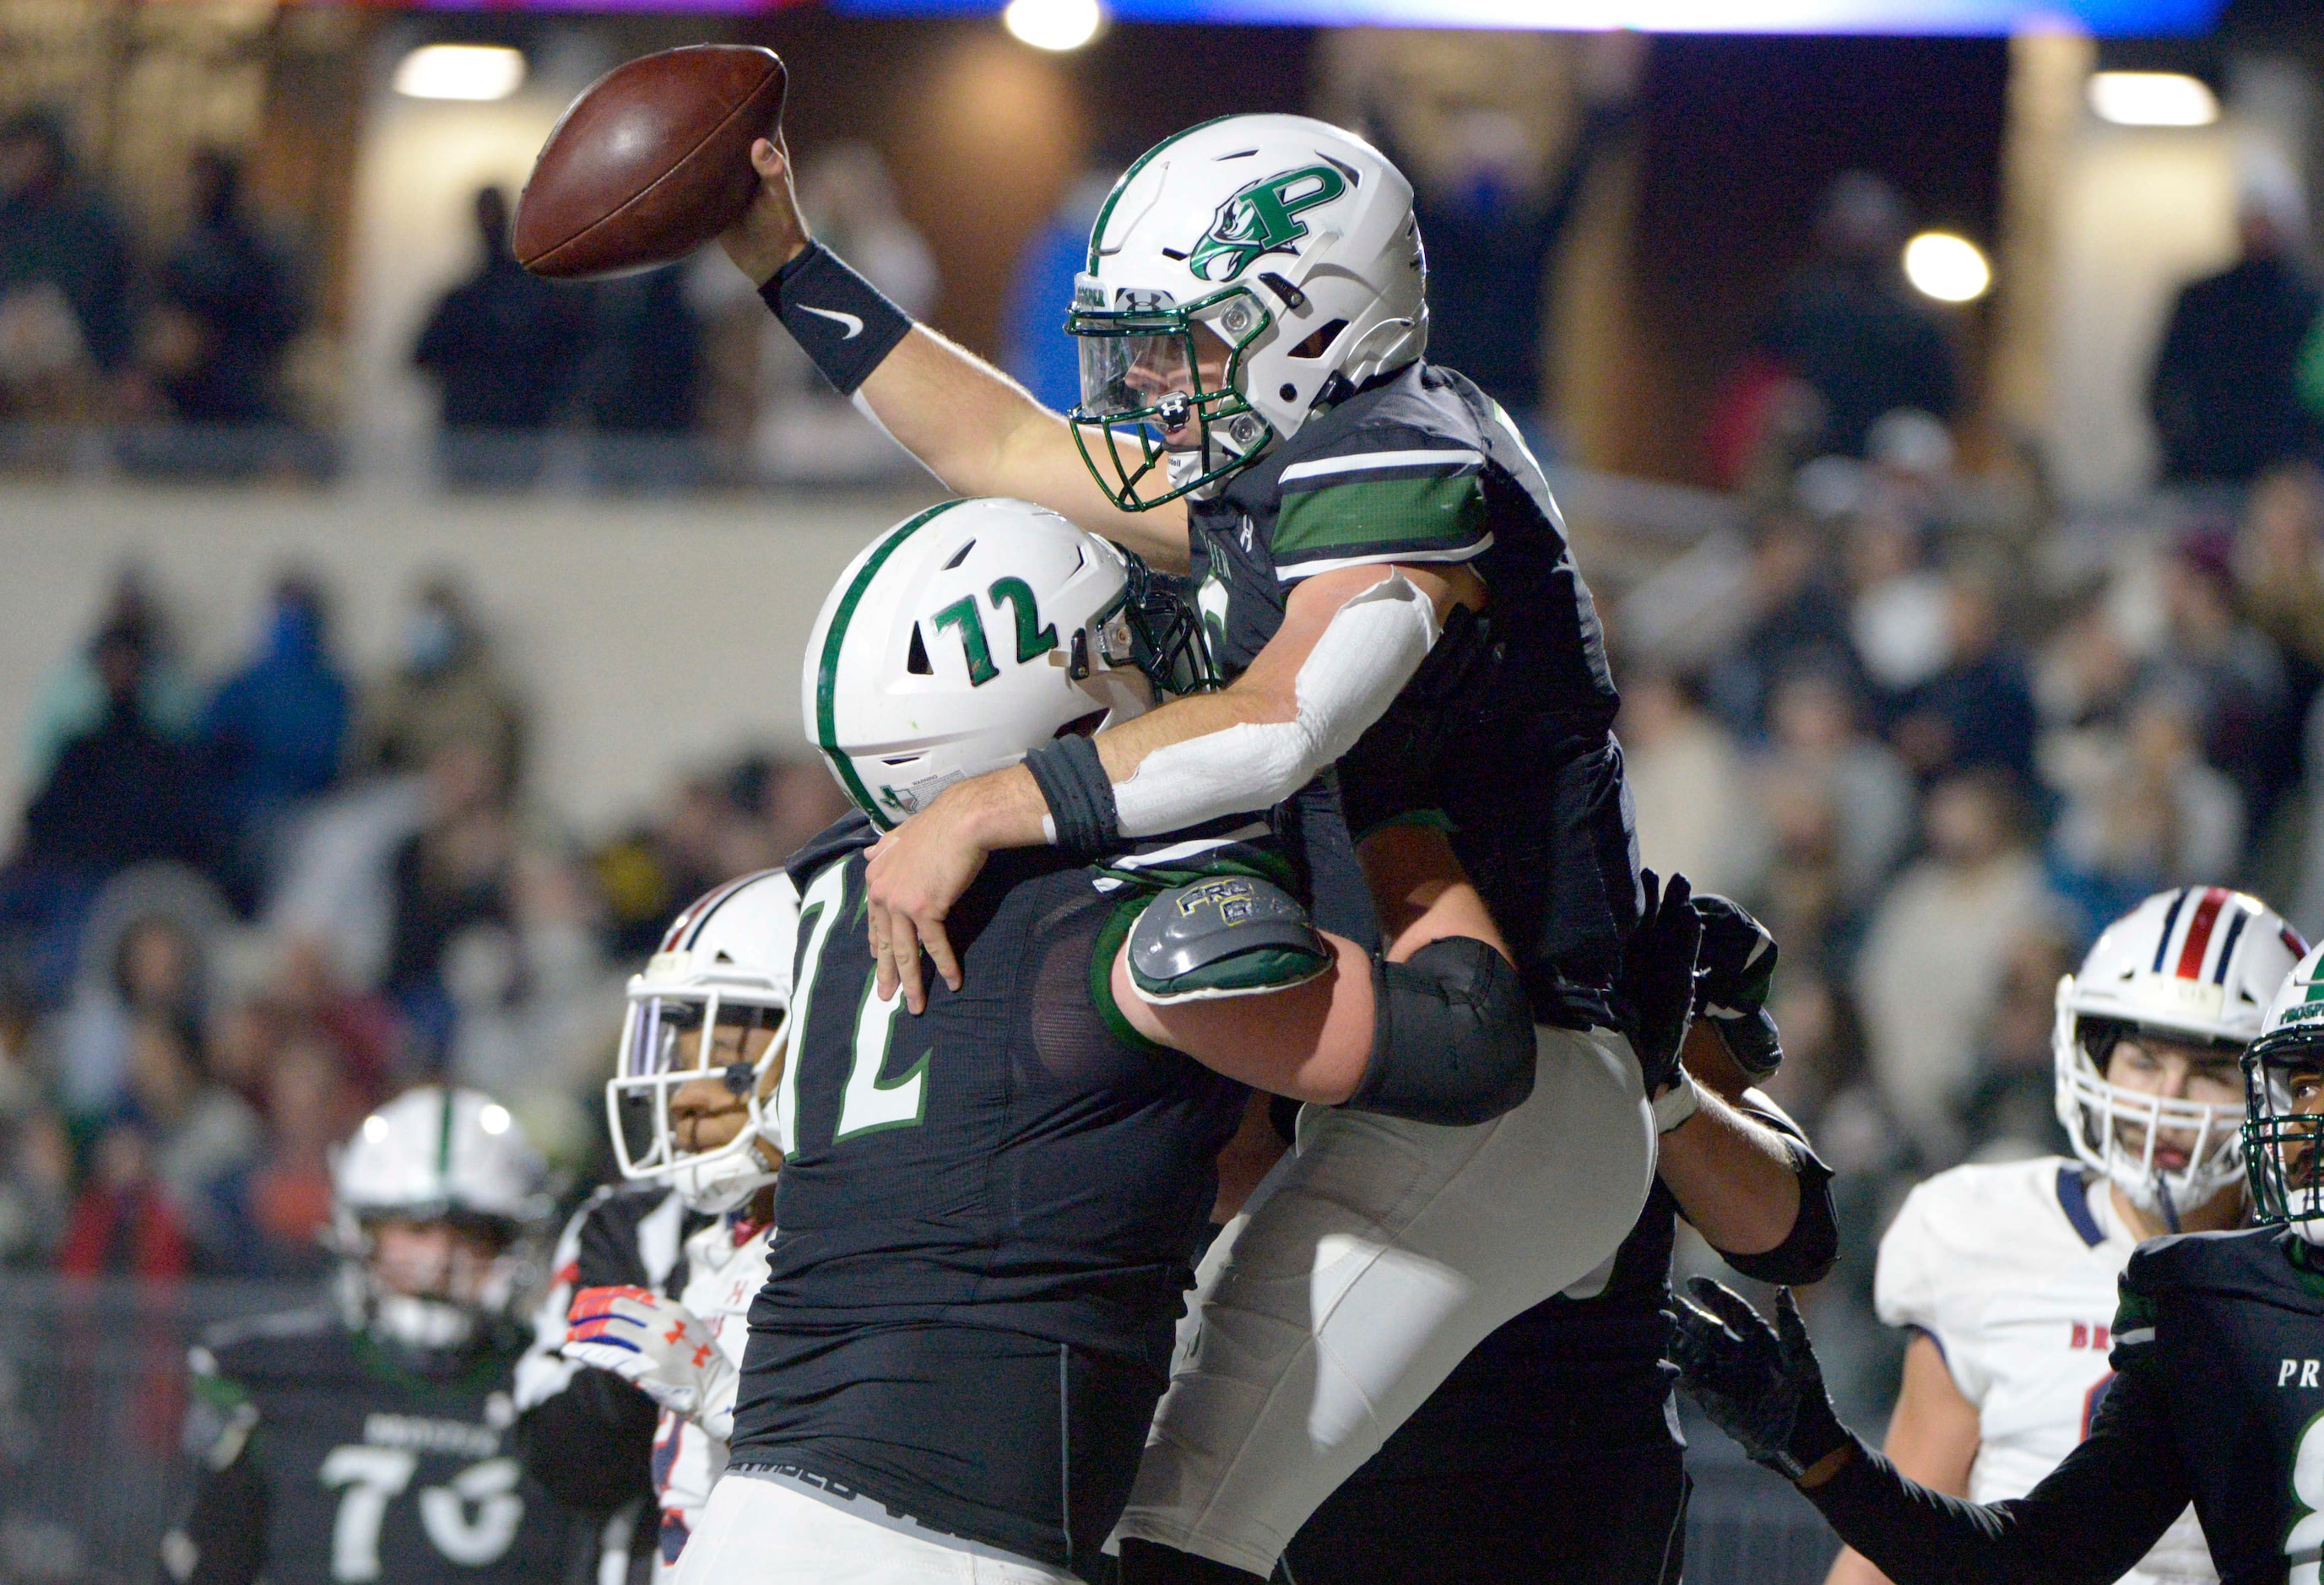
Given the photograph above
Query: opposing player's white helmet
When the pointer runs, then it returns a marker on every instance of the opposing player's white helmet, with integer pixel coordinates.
(437, 1155)
(2283, 1104)
(711, 1007)
(2197, 964)
(1291, 241)
(961, 640)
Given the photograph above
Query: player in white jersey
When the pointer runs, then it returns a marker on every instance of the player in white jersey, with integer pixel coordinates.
(692, 1104)
(2006, 1273)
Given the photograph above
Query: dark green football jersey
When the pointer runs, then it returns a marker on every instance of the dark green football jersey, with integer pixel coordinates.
(328, 1457)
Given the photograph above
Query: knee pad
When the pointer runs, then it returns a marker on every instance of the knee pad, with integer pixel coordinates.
(1452, 1038)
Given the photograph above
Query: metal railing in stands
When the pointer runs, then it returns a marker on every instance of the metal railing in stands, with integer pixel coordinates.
(93, 1390)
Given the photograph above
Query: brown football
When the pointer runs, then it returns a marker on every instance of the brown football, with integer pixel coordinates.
(651, 161)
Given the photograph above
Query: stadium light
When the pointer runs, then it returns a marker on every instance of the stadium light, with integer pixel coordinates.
(2151, 98)
(1946, 267)
(460, 71)
(1054, 24)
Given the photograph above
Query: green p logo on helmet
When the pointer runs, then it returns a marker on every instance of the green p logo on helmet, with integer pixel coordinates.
(1262, 218)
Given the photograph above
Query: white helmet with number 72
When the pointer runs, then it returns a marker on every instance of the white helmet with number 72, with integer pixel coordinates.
(2197, 965)
(974, 629)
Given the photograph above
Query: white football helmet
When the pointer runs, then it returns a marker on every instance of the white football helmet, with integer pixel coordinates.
(437, 1155)
(1294, 243)
(966, 637)
(723, 969)
(2197, 964)
(2283, 1105)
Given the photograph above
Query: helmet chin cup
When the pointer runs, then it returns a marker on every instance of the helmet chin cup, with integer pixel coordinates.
(715, 1186)
(421, 1324)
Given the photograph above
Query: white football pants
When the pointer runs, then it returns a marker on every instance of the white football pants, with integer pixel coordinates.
(760, 1532)
(1368, 1264)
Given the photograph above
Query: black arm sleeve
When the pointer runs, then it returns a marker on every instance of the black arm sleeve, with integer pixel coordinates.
(1809, 1249)
(2094, 1517)
(223, 1537)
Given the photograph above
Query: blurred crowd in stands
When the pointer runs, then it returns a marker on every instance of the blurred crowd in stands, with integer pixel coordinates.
(244, 909)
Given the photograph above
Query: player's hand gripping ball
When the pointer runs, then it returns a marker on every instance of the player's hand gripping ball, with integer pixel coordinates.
(659, 1346)
(650, 163)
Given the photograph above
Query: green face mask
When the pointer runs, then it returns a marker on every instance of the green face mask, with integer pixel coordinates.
(2284, 1126)
(1149, 424)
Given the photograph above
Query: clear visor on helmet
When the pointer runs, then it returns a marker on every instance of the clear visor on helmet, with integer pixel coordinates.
(1147, 423)
(694, 1075)
(1132, 373)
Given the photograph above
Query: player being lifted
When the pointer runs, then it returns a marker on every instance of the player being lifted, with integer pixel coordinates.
(1387, 586)
(2217, 1397)
(371, 1444)
(987, 1211)
(2006, 1274)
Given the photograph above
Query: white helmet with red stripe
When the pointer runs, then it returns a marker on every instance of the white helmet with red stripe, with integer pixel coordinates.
(2198, 965)
(711, 1007)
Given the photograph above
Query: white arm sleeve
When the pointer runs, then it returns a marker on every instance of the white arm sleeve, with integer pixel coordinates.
(1369, 651)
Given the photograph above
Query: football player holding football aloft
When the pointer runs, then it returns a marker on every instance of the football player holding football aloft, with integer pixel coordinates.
(2006, 1273)
(691, 1104)
(2217, 1398)
(986, 1212)
(372, 1444)
(1388, 586)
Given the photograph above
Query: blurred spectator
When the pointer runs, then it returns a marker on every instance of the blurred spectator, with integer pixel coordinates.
(1694, 812)
(123, 1222)
(850, 198)
(308, 1111)
(35, 1155)
(275, 729)
(71, 699)
(64, 276)
(124, 794)
(2231, 677)
(1796, 618)
(500, 346)
(1978, 712)
(455, 876)
(2279, 581)
(2224, 393)
(640, 378)
(1900, 610)
(446, 690)
(2010, 1110)
(1820, 750)
(1931, 970)
(205, 1139)
(1849, 326)
(226, 305)
(151, 969)
(1035, 349)
(2153, 815)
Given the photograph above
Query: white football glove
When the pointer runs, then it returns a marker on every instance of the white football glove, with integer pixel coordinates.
(659, 1346)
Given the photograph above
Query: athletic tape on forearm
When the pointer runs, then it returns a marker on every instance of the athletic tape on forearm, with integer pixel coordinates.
(1073, 783)
(1369, 651)
(840, 321)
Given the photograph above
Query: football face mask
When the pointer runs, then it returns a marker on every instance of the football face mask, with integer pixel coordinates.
(1160, 390)
(691, 1096)
(2283, 1131)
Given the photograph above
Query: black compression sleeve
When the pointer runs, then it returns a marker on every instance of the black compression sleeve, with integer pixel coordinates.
(1808, 1251)
(2095, 1516)
(223, 1536)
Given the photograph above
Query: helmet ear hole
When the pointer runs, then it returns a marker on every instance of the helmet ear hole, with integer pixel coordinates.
(916, 662)
(1320, 341)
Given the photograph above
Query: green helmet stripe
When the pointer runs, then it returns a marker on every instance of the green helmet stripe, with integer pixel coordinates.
(444, 1146)
(1106, 213)
(826, 678)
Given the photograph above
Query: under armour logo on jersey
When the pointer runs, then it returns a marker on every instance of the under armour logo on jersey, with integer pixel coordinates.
(849, 326)
(1246, 537)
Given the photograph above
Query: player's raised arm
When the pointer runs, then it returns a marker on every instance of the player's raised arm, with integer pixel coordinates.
(969, 424)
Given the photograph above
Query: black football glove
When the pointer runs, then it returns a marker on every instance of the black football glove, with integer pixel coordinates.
(1657, 985)
(1759, 1384)
(1735, 971)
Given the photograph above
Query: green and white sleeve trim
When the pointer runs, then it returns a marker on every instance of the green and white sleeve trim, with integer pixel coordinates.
(1381, 506)
(1348, 469)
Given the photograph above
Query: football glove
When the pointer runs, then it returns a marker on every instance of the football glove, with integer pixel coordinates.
(1759, 1384)
(659, 1346)
(1656, 989)
(1736, 971)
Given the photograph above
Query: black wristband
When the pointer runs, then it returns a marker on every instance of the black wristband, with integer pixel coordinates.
(1080, 796)
(839, 320)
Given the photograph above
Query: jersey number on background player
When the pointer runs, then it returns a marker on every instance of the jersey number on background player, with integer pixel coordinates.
(370, 1477)
(2301, 1546)
(869, 1104)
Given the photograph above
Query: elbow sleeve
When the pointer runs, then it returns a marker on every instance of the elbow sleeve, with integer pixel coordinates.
(1808, 1251)
(1453, 1038)
(1369, 651)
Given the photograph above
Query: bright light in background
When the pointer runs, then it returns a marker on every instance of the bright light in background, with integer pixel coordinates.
(1054, 24)
(460, 71)
(1946, 267)
(2152, 98)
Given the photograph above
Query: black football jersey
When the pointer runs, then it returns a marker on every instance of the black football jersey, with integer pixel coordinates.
(2217, 1399)
(328, 1456)
(1505, 731)
(988, 1213)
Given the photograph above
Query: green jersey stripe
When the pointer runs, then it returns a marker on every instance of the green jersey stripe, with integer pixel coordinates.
(1424, 514)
